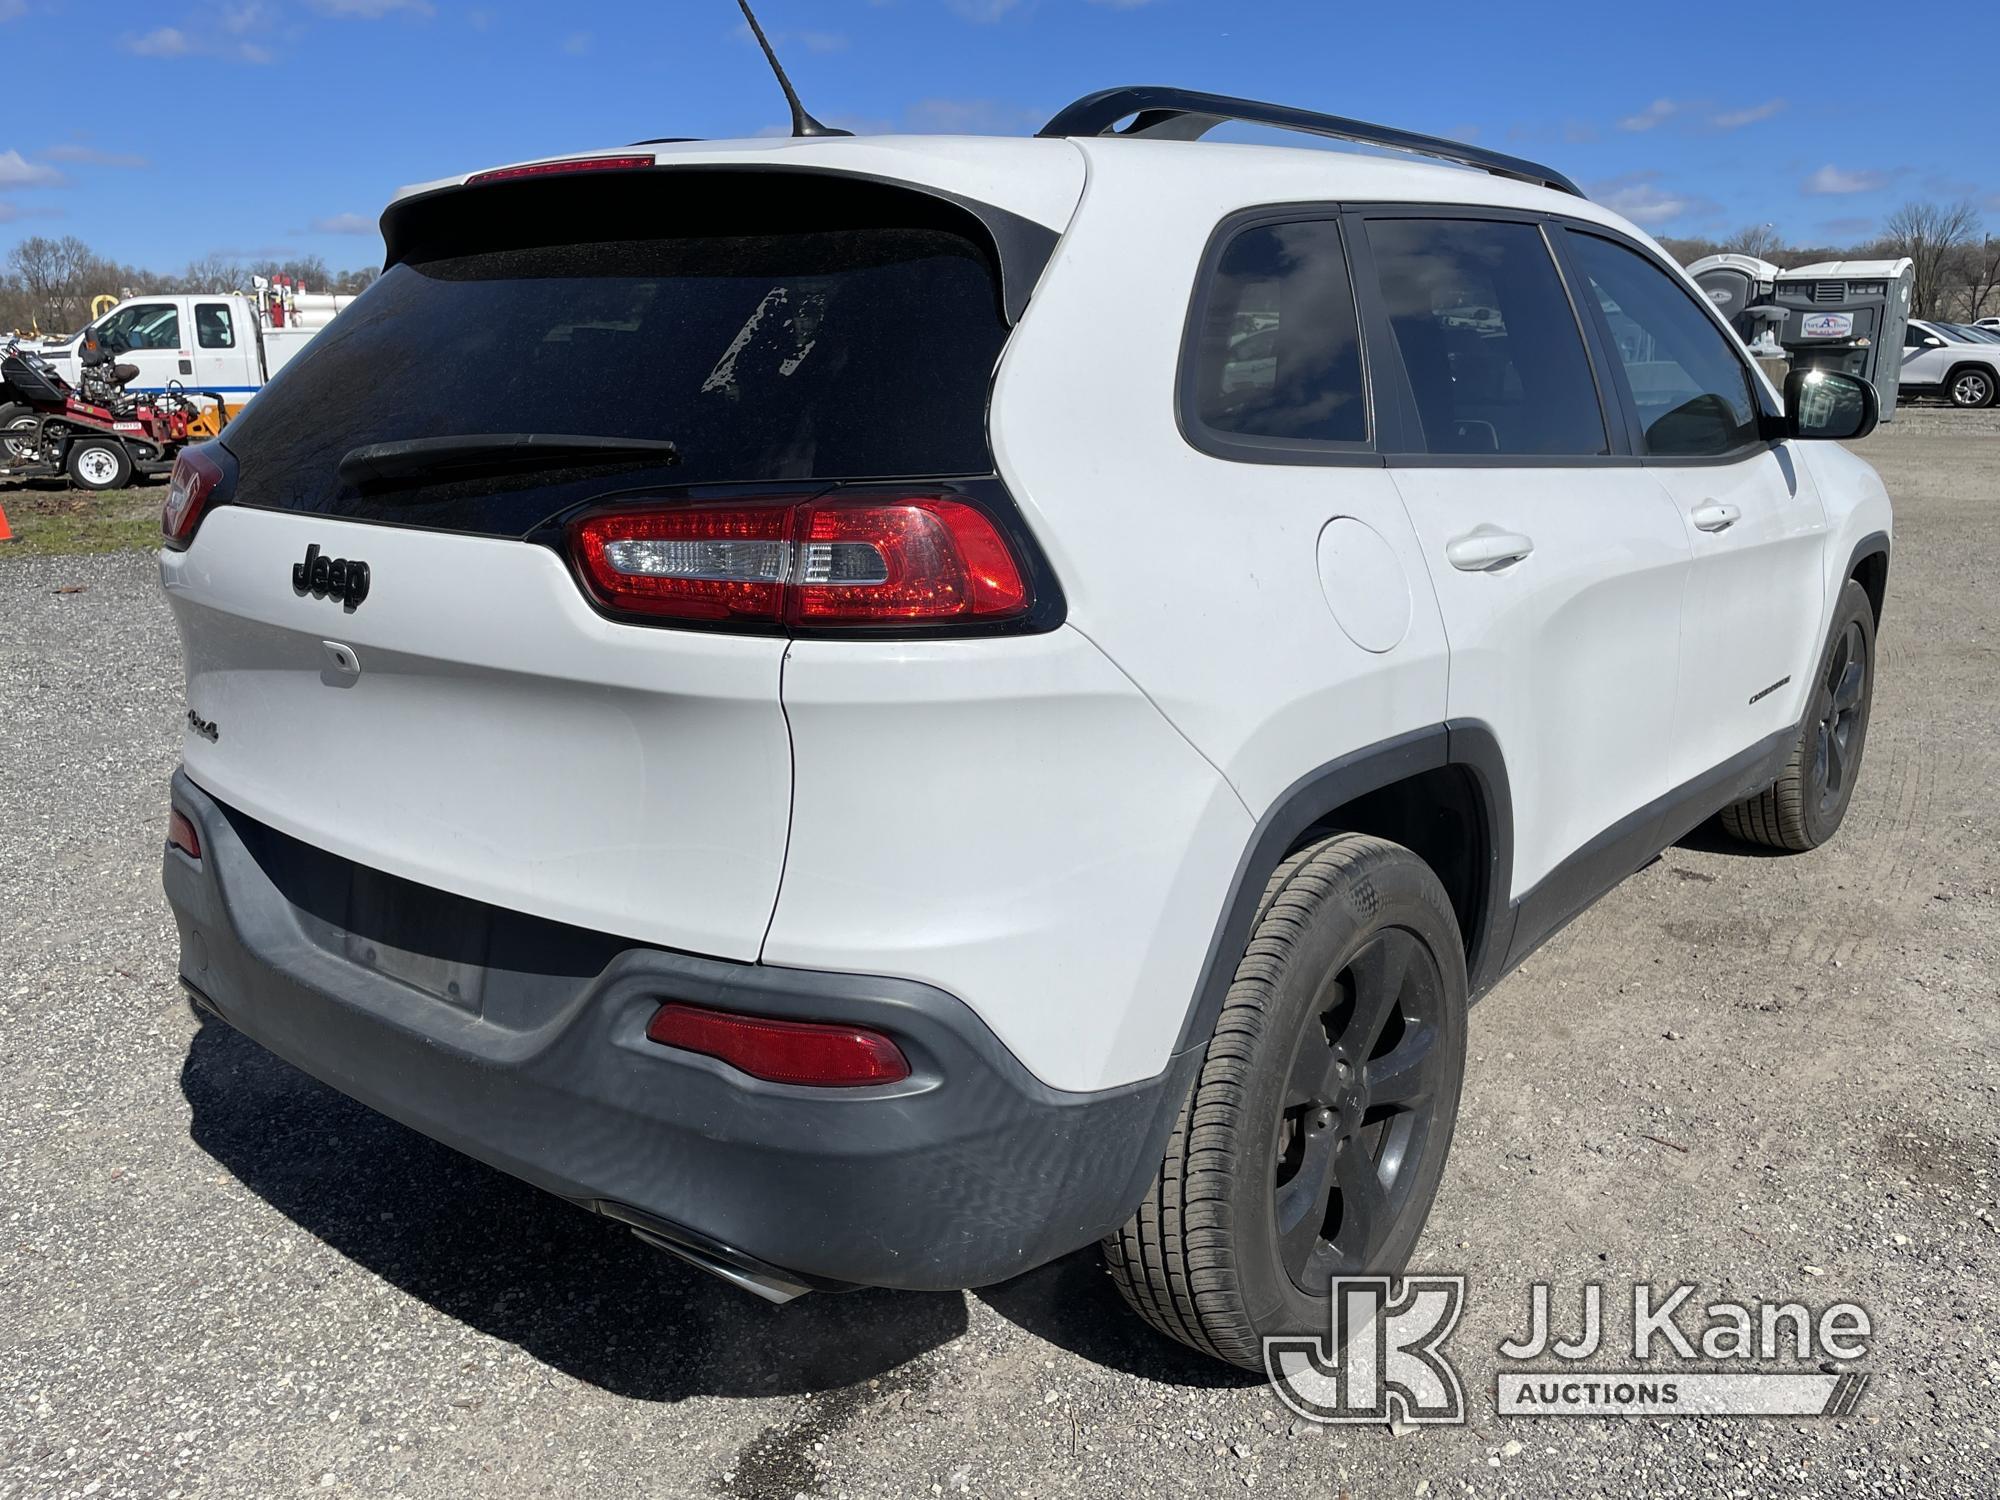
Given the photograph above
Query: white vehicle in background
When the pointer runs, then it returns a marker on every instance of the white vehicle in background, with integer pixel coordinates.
(1941, 359)
(225, 344)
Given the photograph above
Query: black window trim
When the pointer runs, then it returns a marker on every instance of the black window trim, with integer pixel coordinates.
(1407, 450)
(1391, 408)
(1238, 447)
(1615, 366)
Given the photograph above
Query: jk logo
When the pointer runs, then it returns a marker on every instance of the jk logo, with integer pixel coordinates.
(1381, 1360)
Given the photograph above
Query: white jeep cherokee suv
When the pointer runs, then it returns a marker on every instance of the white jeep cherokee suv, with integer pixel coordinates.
(879, 710)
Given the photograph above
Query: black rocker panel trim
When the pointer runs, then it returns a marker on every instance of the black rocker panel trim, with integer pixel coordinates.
(1620, 850)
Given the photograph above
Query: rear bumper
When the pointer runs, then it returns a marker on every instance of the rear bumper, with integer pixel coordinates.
(968, 1172)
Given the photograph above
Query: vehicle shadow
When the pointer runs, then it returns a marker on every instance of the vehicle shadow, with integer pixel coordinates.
(1711, 837)
(584, 1295)
(573, 1290)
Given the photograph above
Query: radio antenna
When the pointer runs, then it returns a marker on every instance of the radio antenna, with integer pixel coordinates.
(803, 124)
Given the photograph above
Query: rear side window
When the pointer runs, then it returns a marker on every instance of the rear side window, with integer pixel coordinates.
(856, 345)
(1277, 354)
(213, 328)
(1489, 340)
(1688, 385)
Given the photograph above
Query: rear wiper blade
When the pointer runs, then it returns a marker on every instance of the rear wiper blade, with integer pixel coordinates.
(494, 450)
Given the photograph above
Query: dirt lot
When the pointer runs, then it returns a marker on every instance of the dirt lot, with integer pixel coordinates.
(1772, 1076)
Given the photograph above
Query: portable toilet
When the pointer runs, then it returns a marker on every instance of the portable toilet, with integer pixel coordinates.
(1735, 284)
(1848, 315)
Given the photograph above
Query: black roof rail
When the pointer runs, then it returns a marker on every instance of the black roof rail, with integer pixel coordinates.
(1172, 114)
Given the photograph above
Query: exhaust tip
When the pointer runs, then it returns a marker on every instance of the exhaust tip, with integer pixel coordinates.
(766, 1284)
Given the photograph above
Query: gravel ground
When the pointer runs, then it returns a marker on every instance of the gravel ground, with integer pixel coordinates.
(221, 1278)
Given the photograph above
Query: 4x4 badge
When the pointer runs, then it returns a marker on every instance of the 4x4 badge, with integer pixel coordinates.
(331, 577)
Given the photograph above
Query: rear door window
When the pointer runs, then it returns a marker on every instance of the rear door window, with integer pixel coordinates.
(858, 345)
(1488, 338)
(213, 326)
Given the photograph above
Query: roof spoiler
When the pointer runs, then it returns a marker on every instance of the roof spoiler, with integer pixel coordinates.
(1159, 113)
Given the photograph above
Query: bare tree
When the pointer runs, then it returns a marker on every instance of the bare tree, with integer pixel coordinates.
(1931, 234)
(1978, 277)
(1760, 240)
(214, 273)
(55, 275)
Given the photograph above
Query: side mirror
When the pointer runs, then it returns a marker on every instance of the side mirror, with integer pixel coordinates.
(1828, 404)
(1933, 343)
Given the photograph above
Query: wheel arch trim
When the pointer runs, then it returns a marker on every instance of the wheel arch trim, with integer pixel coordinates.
(1466, 744)
(1874, 544)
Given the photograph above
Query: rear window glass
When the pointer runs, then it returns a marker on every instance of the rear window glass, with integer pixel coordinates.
(819, 352)
(1279, 353)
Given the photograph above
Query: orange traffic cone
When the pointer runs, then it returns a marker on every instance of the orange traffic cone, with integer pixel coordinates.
(6, 531)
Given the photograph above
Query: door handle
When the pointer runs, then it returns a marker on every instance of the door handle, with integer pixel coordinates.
(1487, 548)
(1715, 516)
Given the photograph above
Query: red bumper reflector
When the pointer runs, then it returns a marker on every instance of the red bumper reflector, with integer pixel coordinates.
(803, 1052)
(181, 834)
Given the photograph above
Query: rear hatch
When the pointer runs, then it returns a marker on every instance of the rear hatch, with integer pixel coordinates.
(466, 717)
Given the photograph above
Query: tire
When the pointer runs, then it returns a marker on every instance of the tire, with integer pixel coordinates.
(14, 415)
(1805, 807)
(98, 464)
(1969, 386)
(1315, 1044)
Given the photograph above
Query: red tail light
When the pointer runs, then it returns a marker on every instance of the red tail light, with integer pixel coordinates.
(564, 168)
(194, 481)
(181, 834)
(803, 1052)
(853, 560)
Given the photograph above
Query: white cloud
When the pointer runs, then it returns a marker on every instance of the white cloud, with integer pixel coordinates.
(90, 156)
(1640, 197)
(17, 171)
(344, 224)
(171, 41)
(983, 12)
(1830, 181)
(370, 10)
(1655, 114)
(1736, 119)
(167, 41)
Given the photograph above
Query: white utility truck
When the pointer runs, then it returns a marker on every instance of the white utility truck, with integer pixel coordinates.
(226, 344)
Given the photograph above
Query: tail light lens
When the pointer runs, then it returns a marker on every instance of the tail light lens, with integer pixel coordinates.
(181, 834)
(195, 480)
(835, 561)
(802, 1052)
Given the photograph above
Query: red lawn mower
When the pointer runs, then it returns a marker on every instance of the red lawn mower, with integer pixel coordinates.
(99, 435)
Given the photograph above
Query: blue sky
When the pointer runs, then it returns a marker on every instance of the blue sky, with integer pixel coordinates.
(279, 127)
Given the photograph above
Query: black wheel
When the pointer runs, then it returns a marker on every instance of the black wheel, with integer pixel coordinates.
(16, 420)
(1805, 807)
(1313, 1141)
(99, 464)
(1970, 386)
